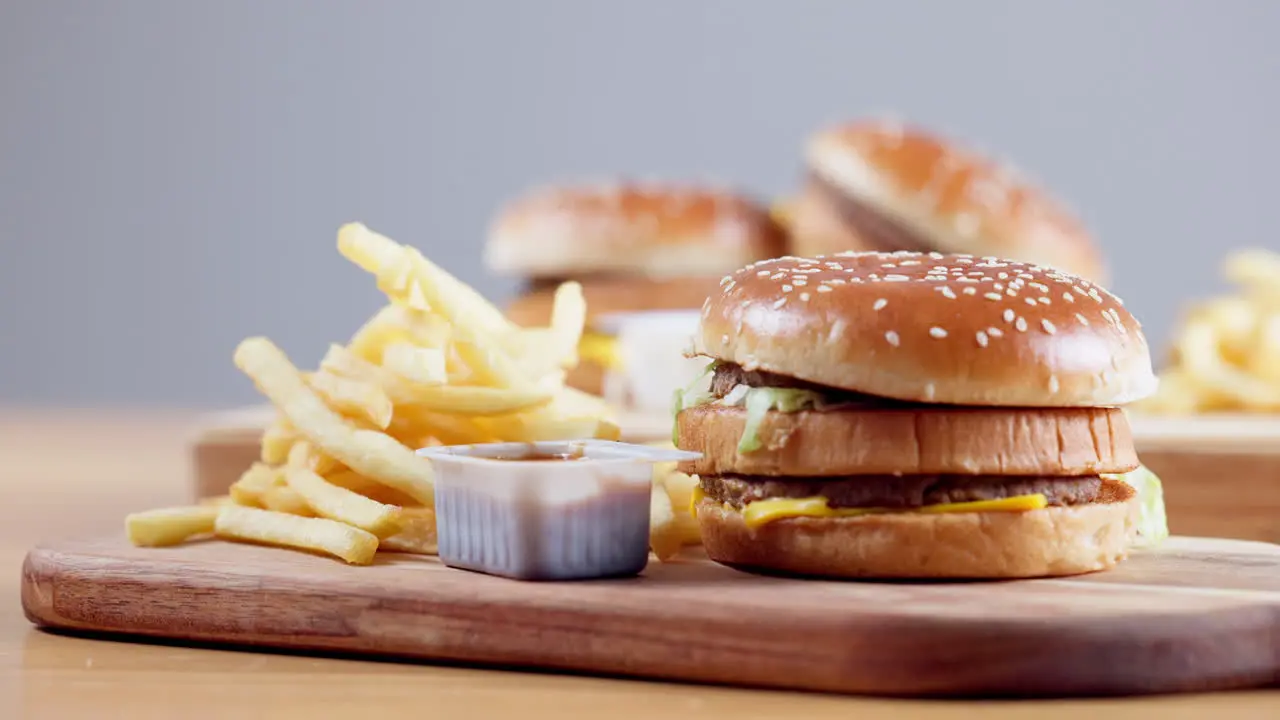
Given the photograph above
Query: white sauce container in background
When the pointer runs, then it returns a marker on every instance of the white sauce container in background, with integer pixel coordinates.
(652, 347)
(501, 511)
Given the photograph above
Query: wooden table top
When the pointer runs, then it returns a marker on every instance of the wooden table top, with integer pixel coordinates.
(74, 474)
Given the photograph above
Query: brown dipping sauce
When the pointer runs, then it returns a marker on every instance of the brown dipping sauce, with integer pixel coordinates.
(545, 457)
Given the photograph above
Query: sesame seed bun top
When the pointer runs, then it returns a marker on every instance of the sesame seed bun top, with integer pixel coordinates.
(952, 198)
(931, 327)
(643, 230)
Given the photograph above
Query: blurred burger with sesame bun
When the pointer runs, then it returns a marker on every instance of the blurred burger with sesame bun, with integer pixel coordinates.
(637, 250)
(918, 415)
(880, 185)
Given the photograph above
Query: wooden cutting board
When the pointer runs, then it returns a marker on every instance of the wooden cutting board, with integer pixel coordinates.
(1196, 614)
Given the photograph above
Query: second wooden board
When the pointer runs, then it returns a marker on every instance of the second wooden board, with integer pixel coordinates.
(1195, 614)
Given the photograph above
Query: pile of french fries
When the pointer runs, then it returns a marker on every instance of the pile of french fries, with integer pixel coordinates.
(439, 365)
(1226, 353)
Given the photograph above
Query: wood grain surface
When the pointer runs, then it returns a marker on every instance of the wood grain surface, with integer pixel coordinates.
(1196, 614)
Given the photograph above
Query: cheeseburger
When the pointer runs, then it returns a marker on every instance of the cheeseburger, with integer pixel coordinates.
(916, 414)
(882, 186)
(632, 248)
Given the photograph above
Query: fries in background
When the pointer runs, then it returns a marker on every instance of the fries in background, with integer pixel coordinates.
(438, 365)
(672, 525)
(1226, 352)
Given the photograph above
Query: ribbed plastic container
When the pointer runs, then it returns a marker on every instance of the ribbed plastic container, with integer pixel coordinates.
(502, 511)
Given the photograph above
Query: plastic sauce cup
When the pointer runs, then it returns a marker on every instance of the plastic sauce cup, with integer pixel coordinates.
(559, 510)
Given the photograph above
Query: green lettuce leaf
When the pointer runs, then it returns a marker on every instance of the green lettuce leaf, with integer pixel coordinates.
(1153, 526)
(687, 396)
(759, 401)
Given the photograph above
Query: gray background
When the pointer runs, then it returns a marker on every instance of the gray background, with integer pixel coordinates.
(172, 174)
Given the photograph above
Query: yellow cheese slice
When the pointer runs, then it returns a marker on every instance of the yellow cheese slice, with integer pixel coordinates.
(765, 511)
(694, 498)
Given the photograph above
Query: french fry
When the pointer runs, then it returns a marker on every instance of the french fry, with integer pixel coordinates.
(397, 323)
(170, 526)
(370, 453)
(419, 365)
(305, 455)
(410, 279)
(357, 483)
(277, 440)
(417, 533)
(321, 535)
(568, 318)
(355, 398)
(338, 503)
(475, 400)
(442, 291)
(664, 536)
(417, 424)
(253, 482)
(285, 499)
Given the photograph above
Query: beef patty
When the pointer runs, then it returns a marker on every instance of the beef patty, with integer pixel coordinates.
(728, 375)
(907, 491)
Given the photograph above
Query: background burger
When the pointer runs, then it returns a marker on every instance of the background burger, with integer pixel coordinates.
(633, 248)
(885, 186)
(917, 415)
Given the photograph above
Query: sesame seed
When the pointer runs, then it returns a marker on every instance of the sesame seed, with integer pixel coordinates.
(724, 339)
(892, 338)
(725, 280)
(1040, 286)
(800, 281)
(1043, 300)
(779, 303)
(1011, 292)
(837, 281)
(982, 338)
(1068, 297)
(879, 304)
(1002, 275)
(1083, 320)
(896, 278)
(970, 291)
(763, 273)
(966, 280)
(993, 296)
(1021, 324)
(1053, 383)
(824, 288)
(804, 297)
(1008, 315)
(1048, 326)
(937, 332)
(777, 276)
(787, 288)
(947, 292)
(997, 286)
(1030, 301)
(905, 263)
(995, 332)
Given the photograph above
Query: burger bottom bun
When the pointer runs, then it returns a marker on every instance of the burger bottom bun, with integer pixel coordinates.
(1053, 541)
